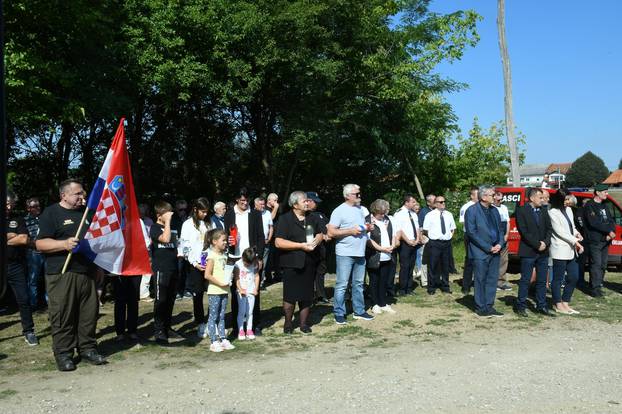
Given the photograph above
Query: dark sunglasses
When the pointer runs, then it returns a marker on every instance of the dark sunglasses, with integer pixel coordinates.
(356, 194)
(441, 202)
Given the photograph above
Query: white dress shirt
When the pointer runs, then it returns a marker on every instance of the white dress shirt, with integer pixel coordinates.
(463, 210)
(403, 221)
(432, 224)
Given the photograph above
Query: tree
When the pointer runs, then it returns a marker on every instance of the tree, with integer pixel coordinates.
(507, 84)
(481, 158)
(587, 170)
(620, 165)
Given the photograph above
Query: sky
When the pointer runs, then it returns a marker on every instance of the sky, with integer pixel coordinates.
(566, 62)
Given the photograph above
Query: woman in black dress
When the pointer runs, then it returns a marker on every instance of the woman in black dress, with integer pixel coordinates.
(297, 237)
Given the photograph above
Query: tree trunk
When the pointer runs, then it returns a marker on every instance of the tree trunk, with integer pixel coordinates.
(507, 83)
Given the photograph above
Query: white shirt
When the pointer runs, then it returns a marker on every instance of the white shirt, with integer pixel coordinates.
(192, 240)
(241, 222)
(463, 210)
(246, 274)
(432, 224)
(503, 213)
(266, 219)
(404, 224)
(384, 237)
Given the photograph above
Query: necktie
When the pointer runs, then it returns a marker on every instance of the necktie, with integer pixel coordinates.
(443, 228)
(412, 222)
(536, 215)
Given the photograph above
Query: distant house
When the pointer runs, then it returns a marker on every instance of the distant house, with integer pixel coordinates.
(615, 179)
(532, 175)
(557, 173)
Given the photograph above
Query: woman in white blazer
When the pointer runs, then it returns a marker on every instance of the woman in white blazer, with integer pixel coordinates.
(565, 246)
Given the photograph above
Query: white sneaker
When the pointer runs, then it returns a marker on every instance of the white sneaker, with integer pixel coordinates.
(388, 309)
(376, 310)
(215, 347)
(202, 330)
(226, 345)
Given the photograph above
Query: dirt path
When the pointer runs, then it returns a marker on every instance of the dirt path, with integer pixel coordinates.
(574, 367)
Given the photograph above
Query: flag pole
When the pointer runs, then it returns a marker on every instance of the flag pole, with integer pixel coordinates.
(68, 259)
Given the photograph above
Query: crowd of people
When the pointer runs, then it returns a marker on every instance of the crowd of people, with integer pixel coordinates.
(233, 254)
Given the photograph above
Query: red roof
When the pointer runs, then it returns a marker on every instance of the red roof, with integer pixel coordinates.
(614, 178)
(563, 167)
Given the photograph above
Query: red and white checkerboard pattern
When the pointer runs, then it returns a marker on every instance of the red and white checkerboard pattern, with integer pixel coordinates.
(105, 220)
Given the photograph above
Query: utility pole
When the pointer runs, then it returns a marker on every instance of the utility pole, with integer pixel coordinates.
(507, 83)
(3, 158)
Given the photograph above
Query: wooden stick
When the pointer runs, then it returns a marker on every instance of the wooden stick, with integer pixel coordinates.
(86, 210)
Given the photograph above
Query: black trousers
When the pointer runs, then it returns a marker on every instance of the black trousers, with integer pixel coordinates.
(73, 308)
(126, 294)
(599, 255)
(198, 291)
(391, 275)
(438, 268)
(166, 290)
(320, 275)
(378, 282)
(408, 257)
(16, 278)
(467, 272)
(182, 273)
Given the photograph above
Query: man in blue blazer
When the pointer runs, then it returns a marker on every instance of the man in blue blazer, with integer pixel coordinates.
(482, 225)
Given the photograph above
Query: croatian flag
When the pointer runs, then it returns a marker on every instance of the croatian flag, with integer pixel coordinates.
(114, 240)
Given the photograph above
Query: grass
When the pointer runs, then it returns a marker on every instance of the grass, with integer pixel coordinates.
(419, 317)
(7, 393)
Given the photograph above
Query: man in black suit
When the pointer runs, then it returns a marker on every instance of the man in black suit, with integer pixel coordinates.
(534, 226)
(250, 233)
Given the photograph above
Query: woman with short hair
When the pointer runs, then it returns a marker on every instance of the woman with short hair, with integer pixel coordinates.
(297, 236)
(380, 245)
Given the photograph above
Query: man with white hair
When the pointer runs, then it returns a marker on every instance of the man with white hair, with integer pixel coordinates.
(218, 219)
(347, 227)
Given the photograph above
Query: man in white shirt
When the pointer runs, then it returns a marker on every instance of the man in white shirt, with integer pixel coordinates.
(503, 283)
(268, 229)
(408, 223)
(467, 273)
(439, 226)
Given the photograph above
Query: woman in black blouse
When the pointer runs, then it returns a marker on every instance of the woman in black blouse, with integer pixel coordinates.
(297, 236)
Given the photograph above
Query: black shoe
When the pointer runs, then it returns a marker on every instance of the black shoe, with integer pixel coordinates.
(93, 357)
(401, 293)
(466, 291)
(545, 312)
(521, 312)
(483, 314)
(174, 334)
(323, 301)
(446, 291)
(431, 292)
(597, 293)
(161, 339)
(305, 329)
(31, 339)
(495, 313)
(65, 363)
(257, 331)
(288, 330)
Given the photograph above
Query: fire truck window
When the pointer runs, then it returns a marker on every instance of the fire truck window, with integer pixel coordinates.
(615, 212)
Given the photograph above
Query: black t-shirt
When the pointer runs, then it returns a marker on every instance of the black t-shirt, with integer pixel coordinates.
(164, 255)
(15, 224)
(59, 223)
(292, 229)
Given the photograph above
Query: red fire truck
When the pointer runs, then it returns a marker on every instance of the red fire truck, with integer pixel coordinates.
(516, 196)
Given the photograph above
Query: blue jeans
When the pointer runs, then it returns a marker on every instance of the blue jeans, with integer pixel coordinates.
(527, 264)
(349, 266)
(216, 319)
(570, 268)
(36, 271)
(486, 274)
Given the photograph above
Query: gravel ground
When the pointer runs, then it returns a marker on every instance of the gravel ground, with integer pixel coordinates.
(570, 368)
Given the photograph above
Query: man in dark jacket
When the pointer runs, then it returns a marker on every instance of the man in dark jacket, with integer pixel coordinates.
(600, 230)
(534, 225)
(249, 228)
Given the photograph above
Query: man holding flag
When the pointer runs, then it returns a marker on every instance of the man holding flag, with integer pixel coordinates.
(112, 239)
